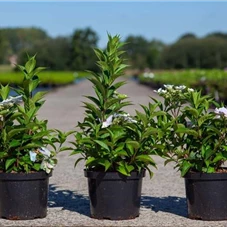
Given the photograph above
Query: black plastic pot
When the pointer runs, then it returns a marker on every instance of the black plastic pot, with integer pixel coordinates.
(23, 196)
(206, 196)
(113, 195)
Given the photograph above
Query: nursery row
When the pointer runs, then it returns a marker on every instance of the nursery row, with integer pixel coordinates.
(53, 78)
(212, 82)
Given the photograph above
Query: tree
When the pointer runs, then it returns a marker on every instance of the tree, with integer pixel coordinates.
(217, 35)
(208, 52)
(5, 49)
(137, 50)
(21, 38)
(82, 55)
(52, 53)
(154, 53)
(187, 36)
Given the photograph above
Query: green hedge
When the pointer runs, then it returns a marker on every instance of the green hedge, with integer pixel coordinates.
(46, 77)
(213, 82)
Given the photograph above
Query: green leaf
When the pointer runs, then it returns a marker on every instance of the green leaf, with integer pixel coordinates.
(93, 108)
(104, 163)
(107, 165)
(167, 161)
(117, 85)
(122, 170)
(187, 131)
(38, 70)
(4, 91)
(14, 143)
(36, 166)
(38, 96)
(150, 131)
(76, 152)
(218, 158)
(15, 115)
(77, 161)
(102, 144)
(98, 86)
(203, 119)
(40, 135)
(30, 64)
(3, 154)
(149, 171)
(146, 159)
(142, 117)
(96, 101)
(120, 152)
(185, 167)
(208, 153)
(134, 144)
(90, 160)
(210, 169)
(110, 102)
(129, 168)
(192, 111)
(9, 163)
(14, 132)
(33, 83)
(34, 144)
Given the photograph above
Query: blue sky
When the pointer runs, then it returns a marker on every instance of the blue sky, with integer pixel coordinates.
(165, 21)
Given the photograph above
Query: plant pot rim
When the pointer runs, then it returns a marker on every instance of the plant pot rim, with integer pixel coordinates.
(113, 175)
(206, 176)
(25, 176)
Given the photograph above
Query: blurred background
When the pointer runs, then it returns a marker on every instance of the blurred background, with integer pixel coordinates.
(167, 42)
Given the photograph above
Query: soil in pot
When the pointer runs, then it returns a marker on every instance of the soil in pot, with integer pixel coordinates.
(23, 196)
(114, 196)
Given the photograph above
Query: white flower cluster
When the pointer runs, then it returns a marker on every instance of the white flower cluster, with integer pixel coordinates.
(47, 164)
(221, 111)
(148, 75)
(109, 121)
(11, 100)
(172, 89)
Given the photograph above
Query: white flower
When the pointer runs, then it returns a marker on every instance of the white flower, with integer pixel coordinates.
(182, 87)
(160, 91)
(168, 86)
(44, 151)
(32, 156)
(11, 100)
(221, 111)
(47, 165)
(190, 90)
(108, 122)
(148, 75)
(126, 117)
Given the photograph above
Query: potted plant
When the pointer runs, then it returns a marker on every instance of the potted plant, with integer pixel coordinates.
(25, 161)
(195, 139)
(116, 147)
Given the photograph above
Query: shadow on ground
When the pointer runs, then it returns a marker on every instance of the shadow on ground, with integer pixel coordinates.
(73, 201)
(68, 200)
(170, 204)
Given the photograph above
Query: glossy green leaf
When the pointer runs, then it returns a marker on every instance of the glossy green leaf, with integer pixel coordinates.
(102, 144)
(185, 167)
(9, 162)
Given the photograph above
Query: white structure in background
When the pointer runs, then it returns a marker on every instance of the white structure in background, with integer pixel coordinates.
(13, 60)
(148, 74)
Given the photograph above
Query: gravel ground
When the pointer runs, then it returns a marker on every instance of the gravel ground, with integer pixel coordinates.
(163, 200)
